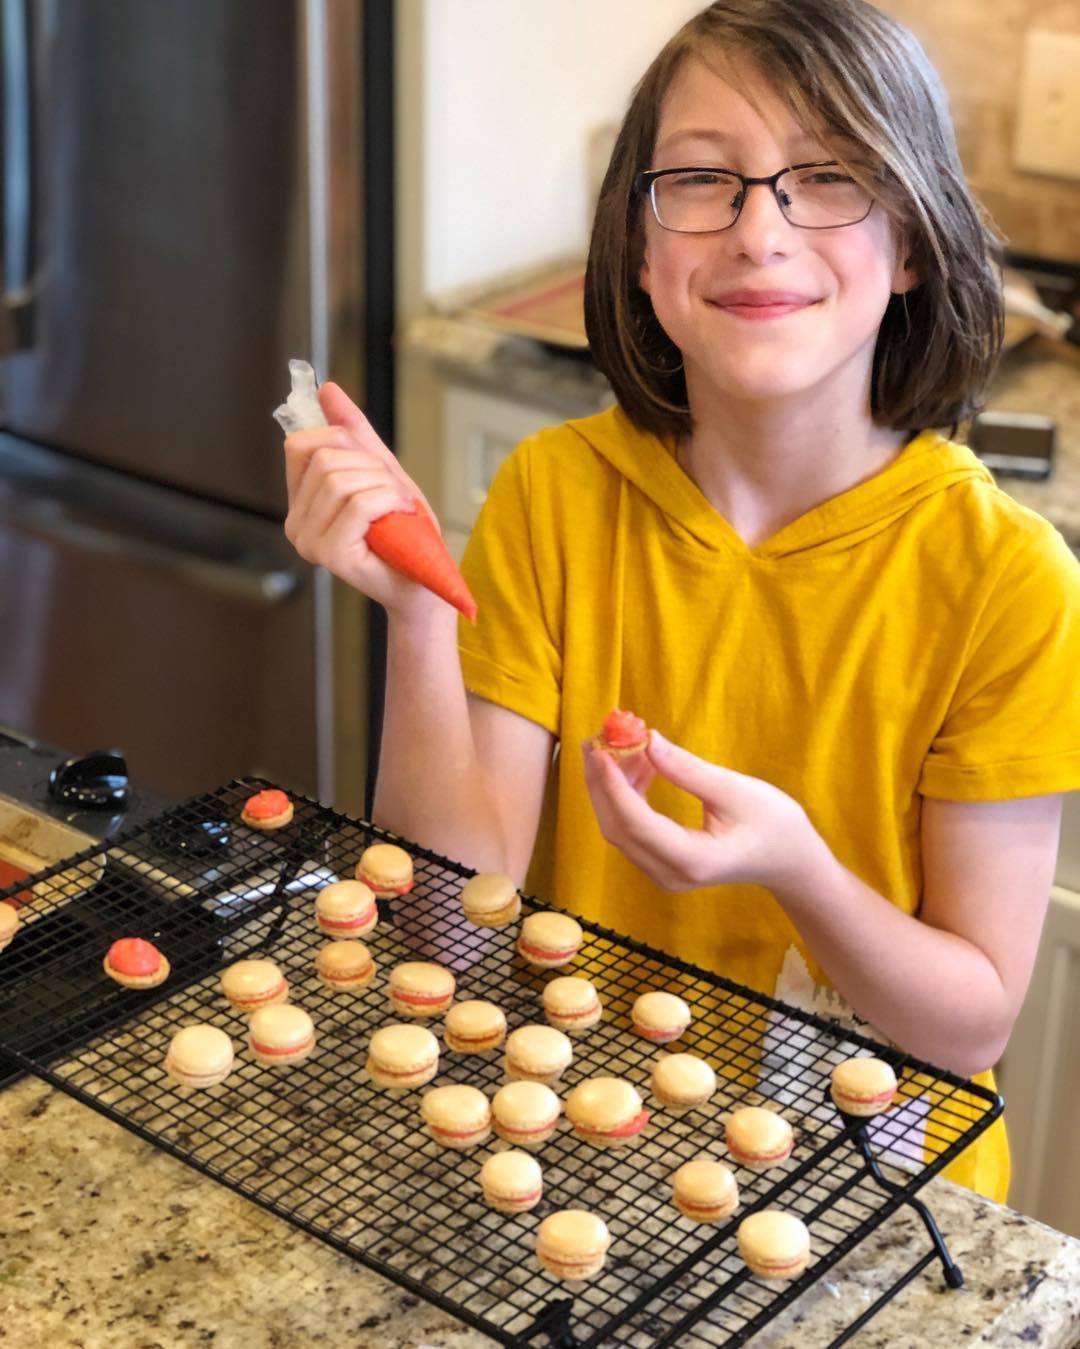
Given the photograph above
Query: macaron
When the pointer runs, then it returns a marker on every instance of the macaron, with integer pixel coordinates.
(682, 1081)
(548, 940)
(9, 925)
(705, 1191)
(199, 1056)
(345, 966)
(456, 1116)
(623, 734)
(660, 1017)
(474, 1026)
(281, 1035)
(863, 1086)
(776, 1245)
(525, 1113)
(254, 983)
(512, 1182)
(346, 909)
(402, 1057)
(572, 1004)
(133, 962)
(386, 870)
(421, 988)
(490, 899)
(607, 1111)
(572, 1244)
(537, 1054)
(270, 809)
(758, 1138)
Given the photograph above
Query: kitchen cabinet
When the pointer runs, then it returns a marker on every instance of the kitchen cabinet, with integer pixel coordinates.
(1040, 1076)
(479, 431)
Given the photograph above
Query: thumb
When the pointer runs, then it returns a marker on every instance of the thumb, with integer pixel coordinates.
(340, 410)
(699, 777)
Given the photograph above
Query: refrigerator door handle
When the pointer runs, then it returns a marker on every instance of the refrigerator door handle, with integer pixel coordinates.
(17, 208)
(41, 518)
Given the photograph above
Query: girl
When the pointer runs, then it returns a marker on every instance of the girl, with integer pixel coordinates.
(859, 653)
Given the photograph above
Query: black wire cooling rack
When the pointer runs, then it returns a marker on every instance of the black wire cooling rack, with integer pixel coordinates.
(319, 1145)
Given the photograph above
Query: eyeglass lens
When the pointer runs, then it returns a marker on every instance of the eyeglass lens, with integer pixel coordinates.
(700, 200)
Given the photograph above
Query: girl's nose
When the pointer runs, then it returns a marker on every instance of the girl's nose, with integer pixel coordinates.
(762, 230)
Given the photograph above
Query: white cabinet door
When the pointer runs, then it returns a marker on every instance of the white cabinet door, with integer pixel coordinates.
(479, 431)
(1040, 1076)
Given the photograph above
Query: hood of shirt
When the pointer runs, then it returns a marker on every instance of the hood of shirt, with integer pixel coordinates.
(927, 465)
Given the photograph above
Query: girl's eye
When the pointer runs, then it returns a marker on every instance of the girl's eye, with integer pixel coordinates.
(699, 179)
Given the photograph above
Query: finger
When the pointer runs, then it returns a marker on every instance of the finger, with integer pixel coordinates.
(626, 819)
(700, 778)
(340, 541)
(301, 446)
(308, 524)
(348, 472)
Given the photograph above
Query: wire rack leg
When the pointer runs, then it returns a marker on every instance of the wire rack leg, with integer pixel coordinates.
(954, 1277)
(554, 1321)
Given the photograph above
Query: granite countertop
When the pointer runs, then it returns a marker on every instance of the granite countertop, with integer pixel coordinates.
(110, 1242)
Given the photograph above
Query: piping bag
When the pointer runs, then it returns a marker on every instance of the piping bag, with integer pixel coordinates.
(408, 540)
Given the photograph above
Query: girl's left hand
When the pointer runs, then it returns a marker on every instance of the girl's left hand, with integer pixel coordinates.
(751, 832)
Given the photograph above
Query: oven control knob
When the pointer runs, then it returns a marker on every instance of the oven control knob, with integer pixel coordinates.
(94, 781)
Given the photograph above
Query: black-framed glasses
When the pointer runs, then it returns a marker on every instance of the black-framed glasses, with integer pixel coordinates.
(705, 200)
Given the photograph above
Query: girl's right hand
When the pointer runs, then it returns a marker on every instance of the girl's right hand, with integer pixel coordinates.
(340, 478)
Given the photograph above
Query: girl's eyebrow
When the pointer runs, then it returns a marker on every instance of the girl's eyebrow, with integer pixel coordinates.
(802, 141)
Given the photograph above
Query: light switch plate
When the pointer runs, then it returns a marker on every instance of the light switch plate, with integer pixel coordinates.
(1048, 124)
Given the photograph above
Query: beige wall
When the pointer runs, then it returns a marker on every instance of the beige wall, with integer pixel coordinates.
(978, 46)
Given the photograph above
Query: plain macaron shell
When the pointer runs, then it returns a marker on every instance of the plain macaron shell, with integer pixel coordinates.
(254, 983)
(474, 1026)
(538, 1054)
(680, 1081)
(549, 939)
(572, 1244)
(512, 1182)
(572, 1004)
(776, 1245)
(863, 1086)
(345, 909)
(421, 988)
(199, 1056)
(525, 1113)
(758, 1138)
(402, 1057)
(345, 965)
(281, 1034)
(607, 1111)
(386, 869)
(9, 924)
(705, 1190)
(490, 899)
(457, 1116)
(660, 1017)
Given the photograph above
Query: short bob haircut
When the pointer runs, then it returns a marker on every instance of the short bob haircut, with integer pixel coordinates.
(850, 74)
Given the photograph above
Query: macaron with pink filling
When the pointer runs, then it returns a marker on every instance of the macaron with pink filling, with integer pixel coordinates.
(660, 1017)
(250, 984)
(346, 910)
(281, 1035)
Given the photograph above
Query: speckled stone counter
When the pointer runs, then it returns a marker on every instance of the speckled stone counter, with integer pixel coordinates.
(105, 1241)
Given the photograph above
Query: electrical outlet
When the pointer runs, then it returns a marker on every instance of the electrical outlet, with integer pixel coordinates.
(1048, 124)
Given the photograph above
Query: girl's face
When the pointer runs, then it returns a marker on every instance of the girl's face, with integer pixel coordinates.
(831, 285)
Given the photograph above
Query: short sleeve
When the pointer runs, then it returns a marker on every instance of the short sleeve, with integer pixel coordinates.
(1013, 724)
(512, 656)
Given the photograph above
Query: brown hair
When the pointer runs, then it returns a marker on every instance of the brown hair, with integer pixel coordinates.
(867, 79)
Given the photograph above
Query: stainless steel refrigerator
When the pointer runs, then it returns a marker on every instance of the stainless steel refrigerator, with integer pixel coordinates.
(193, 192)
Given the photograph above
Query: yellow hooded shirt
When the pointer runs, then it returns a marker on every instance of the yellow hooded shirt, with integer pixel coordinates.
(917, 635)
